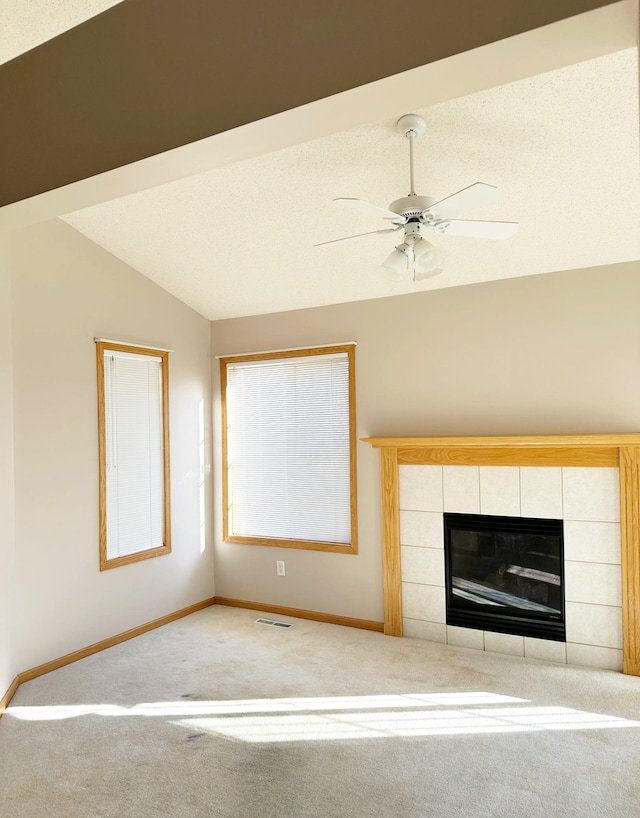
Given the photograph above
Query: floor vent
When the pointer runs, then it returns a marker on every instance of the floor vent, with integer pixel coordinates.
(274, 623)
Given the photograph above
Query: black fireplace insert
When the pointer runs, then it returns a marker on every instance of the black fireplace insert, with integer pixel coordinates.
(505, 574)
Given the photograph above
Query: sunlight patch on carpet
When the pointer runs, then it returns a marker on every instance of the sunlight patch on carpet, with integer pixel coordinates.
(324, 718)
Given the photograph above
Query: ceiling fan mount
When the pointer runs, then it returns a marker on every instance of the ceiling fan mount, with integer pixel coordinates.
(417, 214)
(411, 125)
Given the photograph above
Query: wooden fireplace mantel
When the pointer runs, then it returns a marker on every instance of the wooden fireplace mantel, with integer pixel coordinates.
(620, 451)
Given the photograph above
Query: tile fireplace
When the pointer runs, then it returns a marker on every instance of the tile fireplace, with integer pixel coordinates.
(587, 587)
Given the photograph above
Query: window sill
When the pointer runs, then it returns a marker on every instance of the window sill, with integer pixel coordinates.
(308, 545)
(115, 562)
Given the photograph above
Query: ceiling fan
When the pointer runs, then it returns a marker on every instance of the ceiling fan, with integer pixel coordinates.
(417, 214)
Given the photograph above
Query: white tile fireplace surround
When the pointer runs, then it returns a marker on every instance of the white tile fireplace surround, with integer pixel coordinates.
(587, 499)
(591, 482)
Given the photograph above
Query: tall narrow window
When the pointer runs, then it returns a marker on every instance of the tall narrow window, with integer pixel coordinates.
(133, 426)
(289, 449)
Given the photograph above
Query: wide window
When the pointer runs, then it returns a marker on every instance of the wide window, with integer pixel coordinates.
(289, 449)
(133, 427)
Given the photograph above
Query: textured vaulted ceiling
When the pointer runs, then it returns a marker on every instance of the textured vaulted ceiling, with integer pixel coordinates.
(562, 147)
(28, 23)
(162, 103)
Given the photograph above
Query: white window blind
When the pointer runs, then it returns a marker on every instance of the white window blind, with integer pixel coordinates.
(134, 452)
(288, 448)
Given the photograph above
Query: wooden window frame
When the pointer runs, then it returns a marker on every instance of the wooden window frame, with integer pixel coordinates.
(165, 548)
(310, 545)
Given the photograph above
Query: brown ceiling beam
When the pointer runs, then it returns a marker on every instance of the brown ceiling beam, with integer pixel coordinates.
(147, 76)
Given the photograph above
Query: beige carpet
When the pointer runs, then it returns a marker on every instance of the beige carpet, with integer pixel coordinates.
(217, 716)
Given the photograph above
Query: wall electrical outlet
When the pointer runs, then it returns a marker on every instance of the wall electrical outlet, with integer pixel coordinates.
(280, 568)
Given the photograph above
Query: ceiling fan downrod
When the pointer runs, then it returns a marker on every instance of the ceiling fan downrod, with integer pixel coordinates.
(411, 126)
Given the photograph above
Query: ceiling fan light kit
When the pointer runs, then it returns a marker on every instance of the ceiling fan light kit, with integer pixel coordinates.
(427, 260)
(417, 214)
(397, 263)
(425, 257)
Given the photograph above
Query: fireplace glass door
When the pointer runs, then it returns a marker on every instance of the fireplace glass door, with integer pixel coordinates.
(505, 574)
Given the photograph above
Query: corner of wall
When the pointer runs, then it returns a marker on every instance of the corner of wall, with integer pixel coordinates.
(8, 668)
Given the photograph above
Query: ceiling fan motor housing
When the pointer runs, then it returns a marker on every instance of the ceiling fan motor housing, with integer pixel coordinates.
(411, 207)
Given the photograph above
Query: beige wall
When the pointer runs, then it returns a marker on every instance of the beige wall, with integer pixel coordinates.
(66, 291)
(8, 666)
(550, 353)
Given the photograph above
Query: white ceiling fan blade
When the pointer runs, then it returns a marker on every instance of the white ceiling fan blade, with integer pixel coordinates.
(466, 199)
(357, 235)
(371, 209)
(477, 229)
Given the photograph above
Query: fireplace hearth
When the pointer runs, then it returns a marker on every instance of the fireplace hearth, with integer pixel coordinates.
(505, 574)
